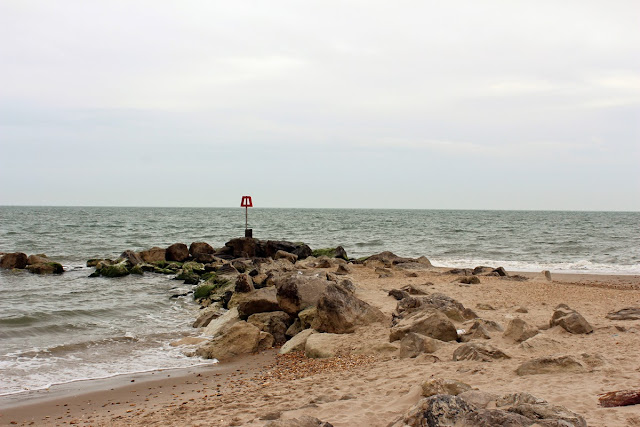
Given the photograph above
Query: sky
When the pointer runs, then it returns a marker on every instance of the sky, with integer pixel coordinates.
(321, 104)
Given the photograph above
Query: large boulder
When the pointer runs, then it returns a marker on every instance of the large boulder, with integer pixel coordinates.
(518, 330)
(106, 269)
(292, 258)
(337, 252)
(482, 352)
(154, 254)
(239, 338)
(431, 323)
(339, 311)
(570, 320)
(321, 346)
(244, 283)
(246, 247)
(259, 301)
(297, 292)
(276, 323)
(14, 260)
(221, 323)
(551, 365)
(177, 252)
(201, 248)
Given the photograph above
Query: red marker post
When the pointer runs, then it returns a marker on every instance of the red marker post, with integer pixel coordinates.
(246, 203)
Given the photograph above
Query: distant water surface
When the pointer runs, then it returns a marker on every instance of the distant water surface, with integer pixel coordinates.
(63, 328)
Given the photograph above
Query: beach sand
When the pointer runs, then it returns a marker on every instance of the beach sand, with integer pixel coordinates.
(368, 384)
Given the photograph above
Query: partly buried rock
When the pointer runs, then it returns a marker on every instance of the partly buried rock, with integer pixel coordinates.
(154, 254)
(177, 252)
(276, 323)
(239, 338)
(298, 342)
(551, 365)
(13, 260)
(337, 252)
(570, 320)
(477, 331)
(258, 301)
(443, 303)
(339, 311)
(303, 421)
(321, 346)
(511, 410)
(414, 344)
(431, 323)
(629, 313)
(518, 330)
(469, 280)
(478, 351)
(435, 386)
(620, 398)
(297, 292)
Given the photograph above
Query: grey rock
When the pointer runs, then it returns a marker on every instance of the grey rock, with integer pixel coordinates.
(478, 351)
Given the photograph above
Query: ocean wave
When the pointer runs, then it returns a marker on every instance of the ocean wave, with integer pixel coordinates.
(579, 266)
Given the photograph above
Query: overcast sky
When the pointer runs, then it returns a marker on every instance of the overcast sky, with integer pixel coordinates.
(373, 104)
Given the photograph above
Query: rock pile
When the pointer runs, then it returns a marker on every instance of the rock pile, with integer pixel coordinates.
(37, 264)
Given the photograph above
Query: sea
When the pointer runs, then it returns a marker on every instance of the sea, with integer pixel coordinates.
(70, 327)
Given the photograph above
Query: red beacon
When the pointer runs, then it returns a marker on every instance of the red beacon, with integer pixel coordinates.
(246, 203)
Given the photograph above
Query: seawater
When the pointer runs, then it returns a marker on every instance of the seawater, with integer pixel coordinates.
(56, 329)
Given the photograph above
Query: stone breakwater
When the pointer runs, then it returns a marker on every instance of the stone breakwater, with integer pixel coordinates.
(37, 264)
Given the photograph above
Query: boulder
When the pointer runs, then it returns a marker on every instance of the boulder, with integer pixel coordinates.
(414, 344)
(550, 365)
(276, 323)
(308, 316)
(431, 323)
(204, 258)
(482, 270)
(14, 260)
(443, 303)
(337, 252)
(226, 269)
(245, 247)
(339, 311)
(244, 283)
(301, 250)
(295, 293)
(321, 346)
(221, 323)
(154, 254)
(629, 313)
(448, 410)
(201, 248)
(113, 270)
(46, 268)
(177, 252)
(239, 338)
(469, 280)
(206, 317)
(476, 332)
(259, 301)
(434, 386)
(518, 330)
(500, 271)
(298, 342)
(398, 294)
(286, 255)
(132, 258)
(478, 351)
(570, 320)
(37, 259)
(489, 325)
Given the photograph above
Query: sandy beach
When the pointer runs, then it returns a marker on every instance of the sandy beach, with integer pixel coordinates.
(368, 383)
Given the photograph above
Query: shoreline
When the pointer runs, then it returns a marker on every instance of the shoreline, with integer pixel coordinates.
(144, 398)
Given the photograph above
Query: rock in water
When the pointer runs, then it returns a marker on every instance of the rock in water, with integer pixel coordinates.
(201, 248)
(154, 254)
(14, 260)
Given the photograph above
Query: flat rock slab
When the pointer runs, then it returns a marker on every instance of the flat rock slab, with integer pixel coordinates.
(630, 313)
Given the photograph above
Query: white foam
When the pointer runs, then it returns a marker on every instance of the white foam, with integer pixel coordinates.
(579, 266)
